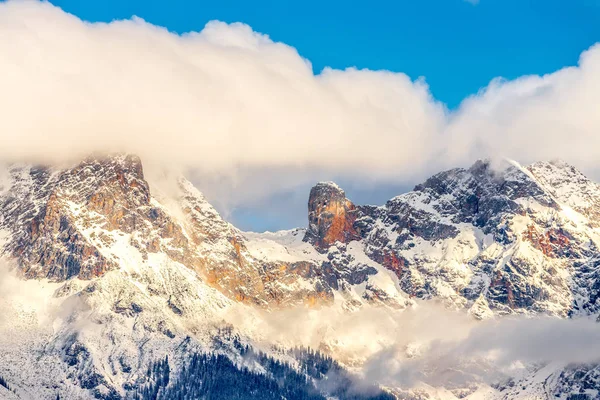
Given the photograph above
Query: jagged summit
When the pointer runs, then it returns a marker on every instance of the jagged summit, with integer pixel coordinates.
(41, 204)
(331, 216)
(100, 215)
(522, 212)
(569, 186)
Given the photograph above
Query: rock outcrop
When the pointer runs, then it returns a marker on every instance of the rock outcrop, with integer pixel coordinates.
(331, 216)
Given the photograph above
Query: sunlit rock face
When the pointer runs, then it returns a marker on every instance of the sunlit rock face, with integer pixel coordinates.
(41, 206)
(100, 215)
(331, 216)
(492, 238)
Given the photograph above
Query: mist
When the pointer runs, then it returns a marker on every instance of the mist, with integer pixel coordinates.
(427, 343)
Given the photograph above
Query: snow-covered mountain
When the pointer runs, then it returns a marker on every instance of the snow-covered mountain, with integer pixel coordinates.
(111, 273)
(499, 240)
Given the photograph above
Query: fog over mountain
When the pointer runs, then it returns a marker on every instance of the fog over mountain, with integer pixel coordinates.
(433, 253)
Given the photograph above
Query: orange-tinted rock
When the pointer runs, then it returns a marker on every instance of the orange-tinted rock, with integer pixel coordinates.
(553, 242)
(55, 249)
(331, 216)
(392, 262)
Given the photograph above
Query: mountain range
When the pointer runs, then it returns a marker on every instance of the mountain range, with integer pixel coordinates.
(116, 286)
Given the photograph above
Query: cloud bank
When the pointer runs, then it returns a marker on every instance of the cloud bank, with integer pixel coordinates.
(244, 114)
(489, 352)
(427, 344)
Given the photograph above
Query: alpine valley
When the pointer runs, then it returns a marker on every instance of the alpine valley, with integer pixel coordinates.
(115, 286)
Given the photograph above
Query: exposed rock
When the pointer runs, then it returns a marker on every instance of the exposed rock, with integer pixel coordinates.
(331, 216)
(100, 215)
(498, 235)
(154, 272)
(67, 223)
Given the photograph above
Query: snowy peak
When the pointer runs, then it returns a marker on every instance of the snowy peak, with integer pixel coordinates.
(83, 221)
(494, 238)
(481, 193)
(570, 187)
(100, 215)
(470, 236)
(41, 205)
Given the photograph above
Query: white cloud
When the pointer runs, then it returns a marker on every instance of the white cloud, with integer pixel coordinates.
(217, 100)
(534, 117)
(488, 352)
(237, 108)
(428, 343)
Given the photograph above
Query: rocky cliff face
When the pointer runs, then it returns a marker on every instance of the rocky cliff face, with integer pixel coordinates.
(155, 272)
(494, 240)
(502, 240)
(331, 216)
(100, 215)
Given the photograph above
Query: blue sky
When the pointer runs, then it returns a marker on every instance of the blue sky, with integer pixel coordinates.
(456, 45)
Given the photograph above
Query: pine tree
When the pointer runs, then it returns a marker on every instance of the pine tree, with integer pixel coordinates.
(4, 383)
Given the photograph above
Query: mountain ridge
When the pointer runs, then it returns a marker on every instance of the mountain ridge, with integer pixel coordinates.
(162, 274)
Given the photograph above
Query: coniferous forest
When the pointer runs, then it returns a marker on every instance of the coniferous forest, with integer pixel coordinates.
(216, 377)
